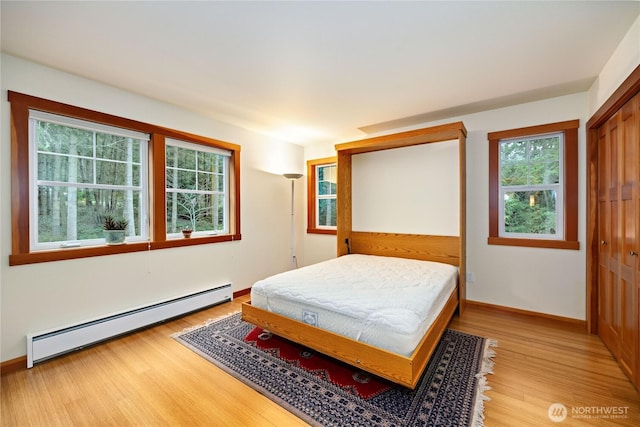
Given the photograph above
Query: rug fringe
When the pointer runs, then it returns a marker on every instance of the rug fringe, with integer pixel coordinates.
(205, 324)
(486, 368)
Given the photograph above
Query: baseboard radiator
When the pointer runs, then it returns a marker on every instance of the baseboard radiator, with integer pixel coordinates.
(45, 345)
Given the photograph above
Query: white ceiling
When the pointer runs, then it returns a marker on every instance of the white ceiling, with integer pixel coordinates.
(325, 71)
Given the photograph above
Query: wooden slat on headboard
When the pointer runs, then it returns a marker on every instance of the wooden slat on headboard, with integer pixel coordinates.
(445, 249)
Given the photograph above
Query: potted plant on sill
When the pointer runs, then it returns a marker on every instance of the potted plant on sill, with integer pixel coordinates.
(186, 232)
(114, 230)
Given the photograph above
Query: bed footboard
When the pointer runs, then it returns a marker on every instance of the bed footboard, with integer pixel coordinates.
(392, 366)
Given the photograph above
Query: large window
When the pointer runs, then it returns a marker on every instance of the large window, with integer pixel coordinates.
(533, 186)
(322, 190)
(72, 167)
(82, 172)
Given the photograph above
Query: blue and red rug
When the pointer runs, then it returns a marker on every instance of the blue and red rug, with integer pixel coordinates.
(326, 392)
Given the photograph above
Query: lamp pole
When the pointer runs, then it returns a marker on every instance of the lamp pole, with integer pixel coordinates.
(292, 177)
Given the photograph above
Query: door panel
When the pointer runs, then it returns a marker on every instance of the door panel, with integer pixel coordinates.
(618, 232)
(606, 280)
(628, 238)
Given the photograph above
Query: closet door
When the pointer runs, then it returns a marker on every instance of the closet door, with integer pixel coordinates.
(609, 322)
(618, 232)
(629, 165)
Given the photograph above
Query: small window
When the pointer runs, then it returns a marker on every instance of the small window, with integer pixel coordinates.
(83, 171)
(197, 189)
(322, 191)
(533, 186)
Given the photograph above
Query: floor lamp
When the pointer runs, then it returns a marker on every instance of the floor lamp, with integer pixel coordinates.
(292, 257)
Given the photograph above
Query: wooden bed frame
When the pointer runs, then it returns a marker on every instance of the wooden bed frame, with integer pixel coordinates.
(447, 249)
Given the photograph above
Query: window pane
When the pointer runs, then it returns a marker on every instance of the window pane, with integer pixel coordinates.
(206, 181)
(514, 174)
(199, 212)
(52, 167)
(69, 213)
(186, 158)
(545, 149)
(171, 156)
(55, 138)
(56, 168)
(111, 173)
(530, 212)
(219, 182)
(327, 180)
(327, 212)
(530, 162)
(210, 182)
(324, 188)
(513, 152)
(544, 173)
(545, 161)
(186, 180)
(114, 147)
(207, 161)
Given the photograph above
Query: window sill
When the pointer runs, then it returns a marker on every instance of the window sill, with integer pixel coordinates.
(86, 252)
(321, 231)
(534, 243)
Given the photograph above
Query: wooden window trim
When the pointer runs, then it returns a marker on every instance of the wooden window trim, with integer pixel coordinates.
(20, 202)
(570, 240)
(311, 195)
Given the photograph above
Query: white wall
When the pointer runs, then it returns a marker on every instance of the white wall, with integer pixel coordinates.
(537, 279)
(43, 296)
(623, 61)
(425, 177)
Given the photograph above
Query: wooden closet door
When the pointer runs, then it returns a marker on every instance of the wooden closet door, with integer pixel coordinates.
(618, 231)
(608, 322)
(628, 237)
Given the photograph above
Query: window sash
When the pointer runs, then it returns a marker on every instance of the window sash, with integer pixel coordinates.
(319, 216)
(557, 187)
(330, 195)
(328, 177)
(224, 194)
(559, 212)
(141, 189)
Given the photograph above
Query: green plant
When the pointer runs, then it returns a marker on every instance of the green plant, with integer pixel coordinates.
(111, 223)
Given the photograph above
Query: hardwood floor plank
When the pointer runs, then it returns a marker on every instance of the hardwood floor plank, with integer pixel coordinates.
(148, 378)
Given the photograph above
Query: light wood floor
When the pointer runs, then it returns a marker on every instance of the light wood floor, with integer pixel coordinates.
(147, 378)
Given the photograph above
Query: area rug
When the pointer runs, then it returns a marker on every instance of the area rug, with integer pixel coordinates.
(326, 392)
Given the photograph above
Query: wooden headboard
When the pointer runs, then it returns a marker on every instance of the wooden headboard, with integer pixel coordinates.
(446, 249)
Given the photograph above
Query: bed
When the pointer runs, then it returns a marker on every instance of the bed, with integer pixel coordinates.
(386, 302)
(398, 360)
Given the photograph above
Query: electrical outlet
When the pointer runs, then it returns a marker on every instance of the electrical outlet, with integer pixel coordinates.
(471, 277)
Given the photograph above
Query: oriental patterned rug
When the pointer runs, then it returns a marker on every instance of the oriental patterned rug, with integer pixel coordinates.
(325, 392)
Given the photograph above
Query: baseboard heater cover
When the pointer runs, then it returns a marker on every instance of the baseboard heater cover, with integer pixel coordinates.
(45, 345)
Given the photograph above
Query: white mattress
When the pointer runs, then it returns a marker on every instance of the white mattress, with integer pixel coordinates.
(383, 301)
